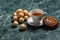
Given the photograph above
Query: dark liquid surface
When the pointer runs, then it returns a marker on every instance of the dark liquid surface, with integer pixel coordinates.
(37, 14)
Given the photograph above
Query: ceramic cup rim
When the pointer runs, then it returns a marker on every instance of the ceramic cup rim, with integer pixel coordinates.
(39, 10)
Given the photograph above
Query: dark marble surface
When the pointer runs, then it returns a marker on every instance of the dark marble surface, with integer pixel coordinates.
(7, 7)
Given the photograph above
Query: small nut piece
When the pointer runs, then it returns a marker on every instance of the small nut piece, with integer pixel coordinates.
(14, 14)
(25, 17)
(21, 14)
(21, 19)
(15, 23)
(28, 14)
(15, 18)
(23, 27)
(25, 12)
(19, 10)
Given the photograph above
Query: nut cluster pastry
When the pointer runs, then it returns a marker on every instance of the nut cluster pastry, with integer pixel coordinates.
(20, 16)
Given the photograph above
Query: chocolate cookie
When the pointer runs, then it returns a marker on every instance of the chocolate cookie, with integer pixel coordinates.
(50, 22)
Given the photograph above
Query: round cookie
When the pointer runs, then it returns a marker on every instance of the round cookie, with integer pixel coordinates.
(50, 22)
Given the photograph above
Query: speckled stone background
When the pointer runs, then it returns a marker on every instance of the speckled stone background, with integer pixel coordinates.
(7, 7)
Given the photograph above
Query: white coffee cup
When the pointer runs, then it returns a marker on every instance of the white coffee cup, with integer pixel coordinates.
(36, 18)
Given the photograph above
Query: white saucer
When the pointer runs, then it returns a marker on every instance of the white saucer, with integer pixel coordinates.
(30, 22)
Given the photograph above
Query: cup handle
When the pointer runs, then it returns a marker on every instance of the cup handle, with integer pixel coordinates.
(45, 14)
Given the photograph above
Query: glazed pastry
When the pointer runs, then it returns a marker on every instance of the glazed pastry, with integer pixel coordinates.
(50, 22)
